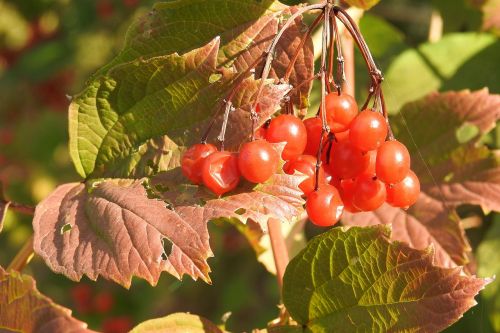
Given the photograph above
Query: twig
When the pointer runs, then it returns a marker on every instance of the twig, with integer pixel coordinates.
(278, 246)
(324, 128)
(270, 55)
(22, 257)
(20, 208)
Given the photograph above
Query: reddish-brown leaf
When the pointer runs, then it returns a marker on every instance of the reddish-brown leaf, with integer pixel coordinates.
(114, 230)
(24, 309)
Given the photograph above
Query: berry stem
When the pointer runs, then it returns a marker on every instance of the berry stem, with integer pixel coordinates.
(340, 56)
(324, 54)
(23, 257)
(278, 246)
(222, 136)
(270, 55)
(241, 78)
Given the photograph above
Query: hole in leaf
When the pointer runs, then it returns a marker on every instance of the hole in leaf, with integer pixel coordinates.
(240, 211)
(214, 78)
(167, 248)
(65, 228)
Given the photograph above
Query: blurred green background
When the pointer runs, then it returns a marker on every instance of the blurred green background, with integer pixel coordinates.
(49, 47)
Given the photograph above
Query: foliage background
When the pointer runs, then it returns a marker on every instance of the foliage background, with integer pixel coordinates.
(48, 48)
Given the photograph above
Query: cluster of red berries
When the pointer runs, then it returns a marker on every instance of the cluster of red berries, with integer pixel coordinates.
(360, 169)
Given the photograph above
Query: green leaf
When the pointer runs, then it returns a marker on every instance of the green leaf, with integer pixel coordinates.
(139, 101)
(356, 280)
(177, 323)
(118, 124)
(364, 4)
(177, 65)
(24, 309)
(430, 67)
(184, 25)
(488, 258)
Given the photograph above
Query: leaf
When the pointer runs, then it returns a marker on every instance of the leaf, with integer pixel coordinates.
(364, 4)
(451, 172)
(428, 223)
(462, 172)
(120, 121)
(431, 68)
(177, 323)
(356, 280)
(246, 28)
(113, 229)
(24, 309)
(122, 228)
(488, 257)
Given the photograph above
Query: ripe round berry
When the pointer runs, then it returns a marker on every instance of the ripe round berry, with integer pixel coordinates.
(258, 161)
(405, 193)
(347, 161)
(314, 128)
(192, 161)
(369, 193)
(289, 129)
(324, 206)
(220, 172)
(393, 162)
(340, 111)
(347, 193)
(306, 164)
(368, 130)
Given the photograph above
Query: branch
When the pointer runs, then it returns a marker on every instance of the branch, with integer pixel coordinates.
(23, 257)
(278, 245)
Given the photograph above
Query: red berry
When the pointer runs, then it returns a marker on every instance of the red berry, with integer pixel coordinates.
(105, 9)
(314, 127)
(369, 193)
(192, 161)
(393, 162)
(82, 297)
(340, 111)
(324, 206)
(347, 161)
(347, 193)
(368, 130)
(289, 129)
(258, 161)
(103, 302)
(220, 172)
(305, 164)
(117, 325)
(405, 193)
